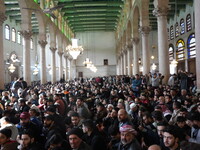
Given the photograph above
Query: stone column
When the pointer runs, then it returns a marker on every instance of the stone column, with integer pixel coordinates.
(197, 38)
(122, 64)
(125, 62)
(145, 49)
(160, 11)
(60, 53)
(43, 77)
(129, 58)
(66, 68)
(26, 56)
(2, 68)
(53, 64)
(135, 56)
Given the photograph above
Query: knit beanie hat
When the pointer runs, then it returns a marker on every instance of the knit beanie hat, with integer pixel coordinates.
(78, 132)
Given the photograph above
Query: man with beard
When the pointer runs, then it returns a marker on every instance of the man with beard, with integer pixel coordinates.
(26, 124)
(50, 128)
(75, 140)
(128, 140)
(123, 118)
(170, 138)
(160, 128)
(195, 131)
(27, 141)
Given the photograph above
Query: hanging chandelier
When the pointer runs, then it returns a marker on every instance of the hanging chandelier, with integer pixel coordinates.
(11, 68)
(153, 66)
(74, 50)
(36, 70)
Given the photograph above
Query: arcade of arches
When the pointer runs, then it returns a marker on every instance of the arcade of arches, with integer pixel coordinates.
(141, 33)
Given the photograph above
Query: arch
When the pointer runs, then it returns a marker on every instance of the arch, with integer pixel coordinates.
(129, 32)
(136, 17)
(7, 32)
(171, 52)
(188, 22)
(182, 24)
(180, 47)
(191, 46)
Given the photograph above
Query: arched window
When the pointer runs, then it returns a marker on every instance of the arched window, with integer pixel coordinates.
(188, 23)
(7, 32)
(13, 35)
(182, 24)
(171, 52)
(171, 33)
(180, 46)
(191, 45)
(177, 29)
(18, 37)
(31, 43)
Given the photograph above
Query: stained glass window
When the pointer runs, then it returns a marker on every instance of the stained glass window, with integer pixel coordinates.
(18, 37)
(191, 45)
(182, 24)
(171, 33)
(13, 35)
(189, 22)
(31, 43)
(168, 34)
(7, 32)
(171, 52)
(180, 46)
(177, 29)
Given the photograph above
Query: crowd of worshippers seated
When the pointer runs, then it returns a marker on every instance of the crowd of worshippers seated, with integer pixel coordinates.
(102, 113)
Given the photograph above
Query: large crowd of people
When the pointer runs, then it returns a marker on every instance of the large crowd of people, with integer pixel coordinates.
(102, 113)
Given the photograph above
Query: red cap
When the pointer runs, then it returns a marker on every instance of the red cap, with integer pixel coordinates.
(24, 115)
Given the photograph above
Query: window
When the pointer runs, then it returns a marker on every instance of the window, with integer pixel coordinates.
(180, 45)
(18, 37)
(191, 45)
(31, 43)
(189, 23)
(171, 33)
(171, 52)
(182, 24)
(7, 32)
(177, 29)
(13, 35)
(105, 61)
(168, 34)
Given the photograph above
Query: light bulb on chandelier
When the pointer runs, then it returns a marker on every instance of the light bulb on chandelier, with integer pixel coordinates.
(74, 50)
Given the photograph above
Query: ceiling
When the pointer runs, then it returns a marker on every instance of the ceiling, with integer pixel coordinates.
(92, 15)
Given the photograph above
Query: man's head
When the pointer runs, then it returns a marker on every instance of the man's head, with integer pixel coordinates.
(24, 118)
(122, 115)
(170, 137)
(168, 98)
(160, 128)
(75, 136)
(88, 126)
(79, 102)
(127, 134)
(26, 139)
(5, 135)
(195, 119)
(48, 120)
(154, 147)
(75, 119)
(147, 118)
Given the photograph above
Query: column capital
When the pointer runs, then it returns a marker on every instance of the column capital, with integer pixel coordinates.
(2, 18)
(53, 49)
(145, 29)
(26, 34)
(135, 40)
(60, 53)
(160, 11)
(42, 43)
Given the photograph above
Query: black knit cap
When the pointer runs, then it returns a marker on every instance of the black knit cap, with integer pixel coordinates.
(6, 132)
(76, 131)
